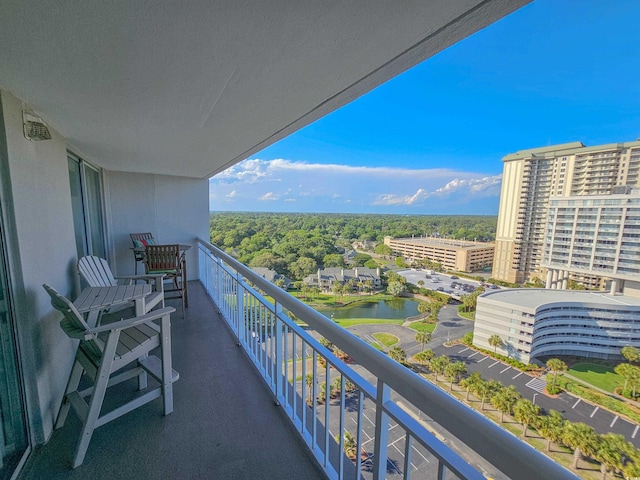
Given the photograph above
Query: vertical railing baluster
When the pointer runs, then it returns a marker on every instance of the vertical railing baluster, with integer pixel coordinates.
(381, 432)
(314, 428)
(304, 385)
(240, 303)
(327, 398)
(279, 352)
(408, 443)
(294, 376)
(342, 429)
(285, 364)
(359, 431)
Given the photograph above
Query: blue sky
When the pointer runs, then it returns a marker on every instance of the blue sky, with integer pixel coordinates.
(430, 141)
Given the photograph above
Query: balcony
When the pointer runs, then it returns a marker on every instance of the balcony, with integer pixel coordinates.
(244, 392)
(224, 424)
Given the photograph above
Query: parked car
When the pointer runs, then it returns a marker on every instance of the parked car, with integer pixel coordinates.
(453, 277)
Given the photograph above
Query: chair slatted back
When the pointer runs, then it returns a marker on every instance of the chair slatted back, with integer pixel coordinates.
(162, 258)
(74, 325)
(96, 272)
(142, 238)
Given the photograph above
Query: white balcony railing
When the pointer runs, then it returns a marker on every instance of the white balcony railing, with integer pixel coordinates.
(287, 357)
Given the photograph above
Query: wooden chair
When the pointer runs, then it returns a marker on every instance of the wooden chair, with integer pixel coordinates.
(105, 350)
(96, 273)
(167, 260)
(140, 241)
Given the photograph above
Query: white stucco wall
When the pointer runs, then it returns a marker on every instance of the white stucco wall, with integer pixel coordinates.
(41, 248)
(174, 209)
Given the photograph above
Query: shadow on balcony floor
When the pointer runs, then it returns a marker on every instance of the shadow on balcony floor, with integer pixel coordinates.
(225, 424)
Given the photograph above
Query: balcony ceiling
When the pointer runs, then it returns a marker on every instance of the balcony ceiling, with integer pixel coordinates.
(191, 88)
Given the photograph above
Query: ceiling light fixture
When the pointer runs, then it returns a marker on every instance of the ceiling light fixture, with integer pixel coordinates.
(34, 128)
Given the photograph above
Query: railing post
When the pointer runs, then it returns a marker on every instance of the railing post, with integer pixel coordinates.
(240, 313)
(218, 282)
(278, 357)
(381, 432)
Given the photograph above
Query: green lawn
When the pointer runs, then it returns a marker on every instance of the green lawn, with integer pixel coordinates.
(422, 327)
(386, 338)
(601, 376)
(349, 322)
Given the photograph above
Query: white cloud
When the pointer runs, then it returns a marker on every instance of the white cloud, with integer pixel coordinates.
(269, 196)
(334, 187)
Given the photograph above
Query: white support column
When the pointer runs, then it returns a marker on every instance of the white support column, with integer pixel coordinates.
(615, 286)
(565, 279)
(554, 280)
(549, 279)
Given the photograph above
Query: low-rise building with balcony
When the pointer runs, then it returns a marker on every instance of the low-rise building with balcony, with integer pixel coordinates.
(456, 255)
(541, 322)
(359, 277)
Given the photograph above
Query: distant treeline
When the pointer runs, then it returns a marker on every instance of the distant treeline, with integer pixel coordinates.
(296, 244)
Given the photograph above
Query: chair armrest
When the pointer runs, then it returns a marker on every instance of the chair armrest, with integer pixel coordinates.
(142, 277)
(132, 322)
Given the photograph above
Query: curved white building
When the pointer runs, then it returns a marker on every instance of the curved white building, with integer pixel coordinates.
(541, 322)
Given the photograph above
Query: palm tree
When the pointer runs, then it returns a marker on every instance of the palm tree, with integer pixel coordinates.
(424, 357)
(634, 380)
(582, 438)
(551, 427)
(337, 289)
(470, 382)
(504, 400)
(350, 445)
(632, 468)
(398, 354)
(423, 338)
(309, 381)
(439, 364)
(495, 341)
(322, 396)
(336, 387)
(424, 307)
(326, 343)
(485, 389)
(632, 354)
(526, 412)
(556, 365)
(453, 371)
(625, 370)
(611, 452)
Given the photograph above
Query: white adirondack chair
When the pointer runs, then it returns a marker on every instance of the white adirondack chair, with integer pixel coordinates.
(96, 273)
(105, 350)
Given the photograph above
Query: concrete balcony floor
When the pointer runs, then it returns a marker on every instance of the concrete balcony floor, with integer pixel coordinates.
(225, 424)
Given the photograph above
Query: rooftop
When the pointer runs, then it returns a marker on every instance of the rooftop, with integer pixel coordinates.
(445, 242)
(536, 297)
(566, 149)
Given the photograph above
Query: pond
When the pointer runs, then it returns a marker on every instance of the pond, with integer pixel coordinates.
(397, 308)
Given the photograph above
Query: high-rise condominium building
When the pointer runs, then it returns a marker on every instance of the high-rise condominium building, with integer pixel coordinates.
(594, 234)
(531, 177)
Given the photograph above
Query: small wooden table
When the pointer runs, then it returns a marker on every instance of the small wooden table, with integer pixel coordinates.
(93, 300)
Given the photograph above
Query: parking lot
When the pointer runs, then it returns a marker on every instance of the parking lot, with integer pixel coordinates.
(572, 408)
(450, 284)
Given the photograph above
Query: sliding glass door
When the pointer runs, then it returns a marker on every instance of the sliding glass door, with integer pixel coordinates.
(86, 202)
(13, 432)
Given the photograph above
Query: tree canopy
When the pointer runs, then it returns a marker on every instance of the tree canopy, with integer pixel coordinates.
(277, 240)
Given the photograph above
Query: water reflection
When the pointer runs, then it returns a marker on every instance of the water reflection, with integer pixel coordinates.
(395, 309)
